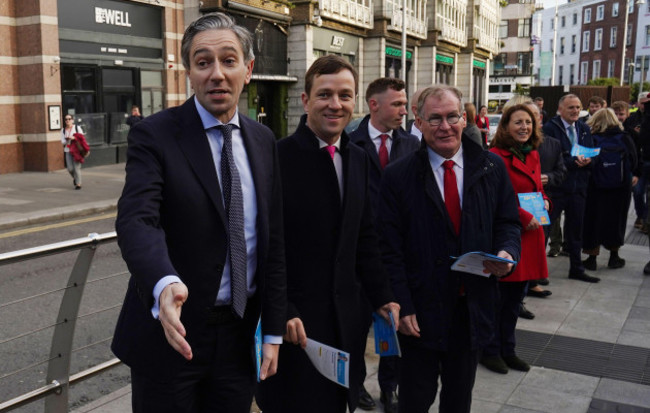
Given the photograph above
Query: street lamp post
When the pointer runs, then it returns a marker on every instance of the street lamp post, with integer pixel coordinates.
(627, 15)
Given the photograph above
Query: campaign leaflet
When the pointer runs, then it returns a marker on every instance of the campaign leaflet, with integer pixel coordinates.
(533, 202)
(472, 262)
(386, 342)
(332, 363)
(258, 348)
(578, 150)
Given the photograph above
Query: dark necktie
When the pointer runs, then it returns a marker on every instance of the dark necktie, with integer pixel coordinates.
(452, 200)
(234, 202)
(383, 151)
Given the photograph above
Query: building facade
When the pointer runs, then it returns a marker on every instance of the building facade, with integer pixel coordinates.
(94, 59)
(512, 68)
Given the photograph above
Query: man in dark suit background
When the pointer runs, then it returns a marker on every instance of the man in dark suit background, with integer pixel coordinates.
(571, 195)
(332, 249)
(446, 199)
(381, 135)
(200, 227)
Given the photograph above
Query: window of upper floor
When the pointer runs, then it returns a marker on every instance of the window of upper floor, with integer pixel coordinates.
(600, 12)
(563, 21)
(584, 72)
(628, 41)
(503, 29)
(612, 36)
(598, 39)
(596, 69)
(562, 42)
(587, 16)
(575, 18)
(586, 36)
(647, 35)
(523, 28)
(552, 24)
(574, 41)
(615, 10)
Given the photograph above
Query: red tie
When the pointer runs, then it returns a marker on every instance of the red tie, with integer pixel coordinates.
(331, 149)
(383, 151)
(452, 200)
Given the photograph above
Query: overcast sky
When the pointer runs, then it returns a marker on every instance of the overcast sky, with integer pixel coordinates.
(551, 3)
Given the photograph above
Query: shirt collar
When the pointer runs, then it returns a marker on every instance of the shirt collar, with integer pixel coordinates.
(437, 160)
(566, 124)
(322, 143)
(209, 121)
(374, 133)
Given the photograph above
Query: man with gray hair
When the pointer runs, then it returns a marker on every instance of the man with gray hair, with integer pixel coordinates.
(446, 199)
(200, 227)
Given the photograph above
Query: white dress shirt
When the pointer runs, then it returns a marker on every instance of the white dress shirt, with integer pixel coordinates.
(338, 161)
(436, 161)
(375, 136)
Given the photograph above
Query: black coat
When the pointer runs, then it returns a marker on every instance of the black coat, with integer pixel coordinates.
(577, 179)
(171, 221)
(403, 144)
(418, 240)
(552, 163)
(332, 253)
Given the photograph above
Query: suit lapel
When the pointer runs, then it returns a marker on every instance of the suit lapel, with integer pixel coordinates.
(193, 142)
(257, 160)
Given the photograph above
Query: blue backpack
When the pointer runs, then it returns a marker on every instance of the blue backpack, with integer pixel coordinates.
(612, 170)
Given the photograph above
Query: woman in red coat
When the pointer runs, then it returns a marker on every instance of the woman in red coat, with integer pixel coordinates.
(516, 140)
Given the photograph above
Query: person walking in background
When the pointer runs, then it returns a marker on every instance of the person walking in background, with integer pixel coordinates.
(644, 144)
(608, 194)
(135, 116)
(448, 198)
(200, 226)
(633, 126)
(571, 195)
(75, 149)
(516, 140)
(381, 135)
(471, 131)
(483, 124)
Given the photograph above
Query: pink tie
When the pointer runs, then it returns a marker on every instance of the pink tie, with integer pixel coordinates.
(383, 151)
(331, 149)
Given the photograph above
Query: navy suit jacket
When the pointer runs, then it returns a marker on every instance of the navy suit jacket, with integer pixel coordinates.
(403, 144)
(171, 221)
(418, 241)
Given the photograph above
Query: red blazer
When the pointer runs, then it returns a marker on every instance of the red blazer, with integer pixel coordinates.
(526, 177)
(74, 150)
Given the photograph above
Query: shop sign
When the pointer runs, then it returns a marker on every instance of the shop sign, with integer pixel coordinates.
(479, 64)
(110, 16)
(395, 52)
(333, 41)
(444, 59)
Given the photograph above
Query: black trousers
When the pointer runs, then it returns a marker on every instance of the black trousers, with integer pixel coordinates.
(219, 379)
(456, 368)
(573, 205)
(510, 296)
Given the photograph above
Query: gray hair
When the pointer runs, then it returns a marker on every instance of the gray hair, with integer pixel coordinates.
(216, 21)
(568, 96)
(438, 92)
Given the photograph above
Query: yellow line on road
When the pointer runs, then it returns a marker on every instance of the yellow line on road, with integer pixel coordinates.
(59, 225)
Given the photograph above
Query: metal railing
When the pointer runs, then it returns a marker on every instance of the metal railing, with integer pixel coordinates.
(58, 381)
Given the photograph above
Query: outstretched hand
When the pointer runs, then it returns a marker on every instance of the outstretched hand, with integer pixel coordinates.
(171, 301)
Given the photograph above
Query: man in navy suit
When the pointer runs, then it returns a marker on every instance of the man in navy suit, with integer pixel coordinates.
(571, 195)
(200, 227)
(331, 245)
(448, 198)
(381, 135)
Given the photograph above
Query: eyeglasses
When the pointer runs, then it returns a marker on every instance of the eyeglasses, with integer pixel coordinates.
(436, 120)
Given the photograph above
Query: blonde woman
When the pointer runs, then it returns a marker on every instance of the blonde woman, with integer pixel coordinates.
(608, 194)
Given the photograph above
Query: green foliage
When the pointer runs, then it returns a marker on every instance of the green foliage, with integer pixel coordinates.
(604, 81)
(634, 90)
(523, 90)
